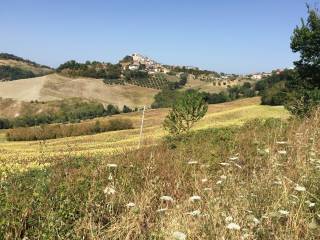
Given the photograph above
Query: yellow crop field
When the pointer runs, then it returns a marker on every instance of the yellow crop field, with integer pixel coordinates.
(20, 156)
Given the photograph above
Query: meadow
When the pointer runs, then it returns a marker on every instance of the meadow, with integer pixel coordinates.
(21, 156)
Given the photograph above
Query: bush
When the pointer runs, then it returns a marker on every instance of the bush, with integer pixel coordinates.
(189, 109)
(8, 73)
(126, 109)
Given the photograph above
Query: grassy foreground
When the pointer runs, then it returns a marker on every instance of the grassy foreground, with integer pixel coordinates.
(254, 181)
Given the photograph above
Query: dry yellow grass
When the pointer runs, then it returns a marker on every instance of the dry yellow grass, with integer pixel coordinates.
(25, 154)
(55, 87)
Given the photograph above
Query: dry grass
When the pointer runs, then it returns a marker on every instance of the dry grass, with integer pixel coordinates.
(27, 155)
(55, 87)
(262, 177)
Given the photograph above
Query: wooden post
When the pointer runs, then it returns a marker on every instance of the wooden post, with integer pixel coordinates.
(141, 127)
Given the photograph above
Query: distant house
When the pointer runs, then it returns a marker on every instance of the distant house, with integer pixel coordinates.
(256, 76)
(133, 67)
(165, 70)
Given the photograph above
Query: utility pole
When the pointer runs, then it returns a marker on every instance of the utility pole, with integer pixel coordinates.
(141, 127)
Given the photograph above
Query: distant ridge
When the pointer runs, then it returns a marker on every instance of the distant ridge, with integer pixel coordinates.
(8, 56)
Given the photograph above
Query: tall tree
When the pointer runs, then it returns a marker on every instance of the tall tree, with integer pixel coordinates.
(306, 41)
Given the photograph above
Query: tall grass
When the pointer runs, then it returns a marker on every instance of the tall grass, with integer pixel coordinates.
(259, 181)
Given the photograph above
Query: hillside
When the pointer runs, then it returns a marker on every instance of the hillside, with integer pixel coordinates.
(55, 87)
(133, 81)
(13, 68)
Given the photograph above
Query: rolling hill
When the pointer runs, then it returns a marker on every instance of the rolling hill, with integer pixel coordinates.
(13, 68)
(107, 83)
(56, 87)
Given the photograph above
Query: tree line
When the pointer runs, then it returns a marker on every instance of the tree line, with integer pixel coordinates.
(67, 113)
(54, 131)
(167, 97)
(8, 73)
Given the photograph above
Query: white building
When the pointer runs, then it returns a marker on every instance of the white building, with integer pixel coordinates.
(133, 67)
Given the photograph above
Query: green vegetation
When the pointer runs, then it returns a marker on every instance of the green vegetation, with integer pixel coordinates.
(274, 89)
(7, 56)
(167, 97)
(194, 71)
(8, 73)
(90, 69)
(189, 108)
(67, 130)
(68, 111)
(298, 89)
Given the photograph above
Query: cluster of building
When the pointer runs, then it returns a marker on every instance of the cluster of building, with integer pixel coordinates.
(141, 62)
(259, 76)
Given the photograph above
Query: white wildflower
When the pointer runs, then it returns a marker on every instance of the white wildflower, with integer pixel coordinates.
(255, 220)
(277, 182)
(282, 152)
(192, 162)
(228, 219)
(300, 188)
(284, 212)
(109, 191)
(130, 205)
(224, 164)
(166, 198)
(112, 165)
(179, 235)
(219, 182)
(223, 177)
(110, 178)
(194, 213)
(194, 198)
(162, 210)
(233, 226)
(310, 204)
(204, 180)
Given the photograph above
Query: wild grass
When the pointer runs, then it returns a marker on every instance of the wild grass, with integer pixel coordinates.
(258, 181)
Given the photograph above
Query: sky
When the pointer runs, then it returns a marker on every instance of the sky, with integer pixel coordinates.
(233, 36)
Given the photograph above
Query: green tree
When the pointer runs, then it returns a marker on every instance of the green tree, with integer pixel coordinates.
(126, 109)
(189, 109)
(305, 93)
(306, 42)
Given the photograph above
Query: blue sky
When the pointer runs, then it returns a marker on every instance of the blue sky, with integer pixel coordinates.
(239, 36)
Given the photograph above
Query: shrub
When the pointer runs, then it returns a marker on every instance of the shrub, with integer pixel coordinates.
(13, 73)
(189, 109)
